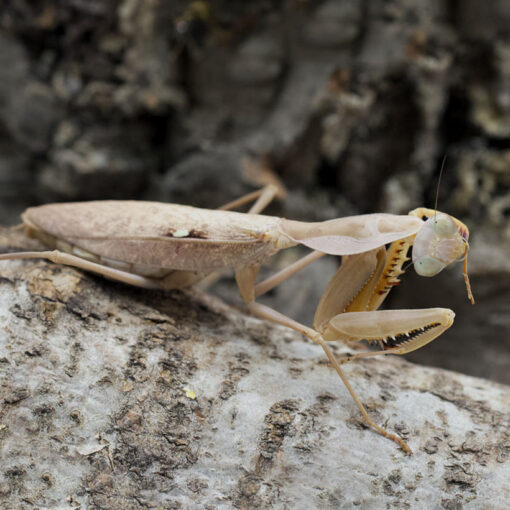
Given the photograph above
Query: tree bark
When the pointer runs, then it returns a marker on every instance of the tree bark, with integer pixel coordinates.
(115, 397)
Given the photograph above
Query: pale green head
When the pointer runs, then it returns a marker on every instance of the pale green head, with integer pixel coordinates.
(437, 244)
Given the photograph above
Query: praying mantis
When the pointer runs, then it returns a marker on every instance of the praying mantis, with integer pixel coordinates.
(167, 246)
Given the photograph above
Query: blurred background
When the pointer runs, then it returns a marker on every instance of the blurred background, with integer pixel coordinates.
(351, 104)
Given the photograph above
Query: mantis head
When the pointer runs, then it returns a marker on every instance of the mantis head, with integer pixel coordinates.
(440, 241)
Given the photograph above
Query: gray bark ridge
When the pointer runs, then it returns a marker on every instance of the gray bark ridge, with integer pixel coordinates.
(113, 397)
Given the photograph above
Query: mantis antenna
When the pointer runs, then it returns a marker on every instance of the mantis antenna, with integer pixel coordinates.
(443, 164)
(464, 270)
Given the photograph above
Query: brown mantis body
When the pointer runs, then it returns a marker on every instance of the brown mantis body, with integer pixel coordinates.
(167, 246)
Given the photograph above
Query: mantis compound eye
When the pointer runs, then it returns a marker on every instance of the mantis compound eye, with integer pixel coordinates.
(444, 226)
(428, 266)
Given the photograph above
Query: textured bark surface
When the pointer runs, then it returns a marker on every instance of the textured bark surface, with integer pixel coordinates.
(113, 397)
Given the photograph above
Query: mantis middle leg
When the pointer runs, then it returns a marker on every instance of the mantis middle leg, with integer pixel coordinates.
(263, 197)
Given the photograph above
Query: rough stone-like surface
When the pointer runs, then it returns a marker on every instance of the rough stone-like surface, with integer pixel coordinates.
(113, 397)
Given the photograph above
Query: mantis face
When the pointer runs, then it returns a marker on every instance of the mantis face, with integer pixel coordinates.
(441, 241)
(437, 244)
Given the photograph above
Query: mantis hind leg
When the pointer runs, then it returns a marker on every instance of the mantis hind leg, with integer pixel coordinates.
(67, 259)
(173, 280)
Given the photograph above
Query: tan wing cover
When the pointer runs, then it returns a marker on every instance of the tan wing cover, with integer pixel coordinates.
(161, 235)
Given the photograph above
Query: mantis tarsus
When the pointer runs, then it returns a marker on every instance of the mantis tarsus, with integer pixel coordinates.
(166, 246)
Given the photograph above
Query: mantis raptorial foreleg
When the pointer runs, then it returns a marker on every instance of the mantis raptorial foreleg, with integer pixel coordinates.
(346, 311)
